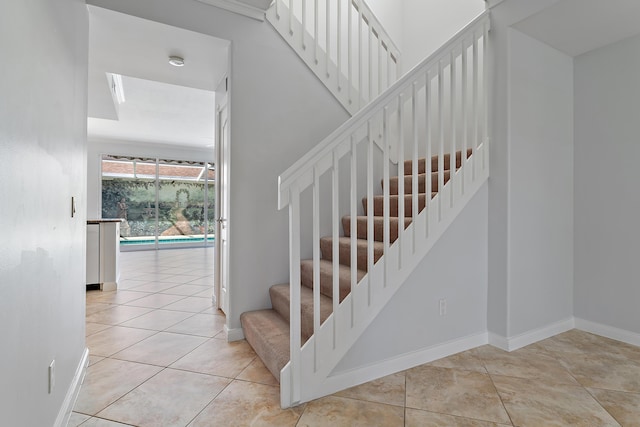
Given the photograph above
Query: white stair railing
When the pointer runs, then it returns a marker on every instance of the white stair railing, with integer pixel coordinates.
(343, 43)
(439, 107)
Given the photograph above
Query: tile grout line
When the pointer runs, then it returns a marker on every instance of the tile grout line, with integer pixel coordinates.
(481, 360)
(605, 409)
(558, 357)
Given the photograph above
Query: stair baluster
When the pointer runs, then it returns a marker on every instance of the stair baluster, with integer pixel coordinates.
(321, 27)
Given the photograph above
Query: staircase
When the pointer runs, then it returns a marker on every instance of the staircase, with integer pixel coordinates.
(267, 331)
(360, 221)
(343, 43)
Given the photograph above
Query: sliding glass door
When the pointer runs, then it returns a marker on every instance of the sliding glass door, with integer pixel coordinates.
(162, 203)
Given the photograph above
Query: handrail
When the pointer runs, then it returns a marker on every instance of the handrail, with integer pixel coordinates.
(305, 164)
(344, 44)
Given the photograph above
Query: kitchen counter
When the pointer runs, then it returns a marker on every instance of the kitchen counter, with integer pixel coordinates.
(103, 253)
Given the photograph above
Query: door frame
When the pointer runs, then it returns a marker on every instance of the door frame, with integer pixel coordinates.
(222, 155)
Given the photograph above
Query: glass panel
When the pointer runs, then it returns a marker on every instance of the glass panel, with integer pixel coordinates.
(128, 192)
(181, 202)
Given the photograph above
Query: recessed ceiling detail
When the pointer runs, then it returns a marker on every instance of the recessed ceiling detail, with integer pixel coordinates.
(578, 26)
(160, 112)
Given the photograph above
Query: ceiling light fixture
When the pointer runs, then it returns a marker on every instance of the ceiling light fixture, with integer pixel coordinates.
(176, 61)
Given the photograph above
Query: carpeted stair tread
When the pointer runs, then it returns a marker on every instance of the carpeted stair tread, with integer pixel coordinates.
(268, 334)
(326, 277)
(378, 204)
(408, 164)
(422, 181)
(280, 300)
(344, 245)
(378, 227)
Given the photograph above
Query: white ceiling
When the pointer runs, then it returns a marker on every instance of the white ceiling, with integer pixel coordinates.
(260, 4)
(251, 8)
(160, 112)
(578, 26)
(163, 103)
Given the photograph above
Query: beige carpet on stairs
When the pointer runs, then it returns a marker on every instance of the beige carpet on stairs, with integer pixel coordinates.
(267, 331)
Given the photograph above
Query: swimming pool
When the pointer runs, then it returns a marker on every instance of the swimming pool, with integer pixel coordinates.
(162, 240)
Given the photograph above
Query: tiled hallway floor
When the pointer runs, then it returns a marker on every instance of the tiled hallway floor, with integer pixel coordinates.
(159, 358)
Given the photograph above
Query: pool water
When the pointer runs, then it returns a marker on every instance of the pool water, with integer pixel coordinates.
(163, 241)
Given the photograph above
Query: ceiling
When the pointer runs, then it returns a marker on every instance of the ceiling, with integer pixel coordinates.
(162, 113)
(578, 26)
(251, 8)
(163, 103)
(260, 4)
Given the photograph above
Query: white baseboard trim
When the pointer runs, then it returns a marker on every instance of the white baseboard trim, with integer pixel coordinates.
(235, 334)
(72, 393)
(108, 286)
(498, 341)
(608, 331)
(361, 375)
(524, 339)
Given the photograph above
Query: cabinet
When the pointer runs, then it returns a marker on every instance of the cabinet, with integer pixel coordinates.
(103, 252)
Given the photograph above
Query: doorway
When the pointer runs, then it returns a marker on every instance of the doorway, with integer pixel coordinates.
(126, 55)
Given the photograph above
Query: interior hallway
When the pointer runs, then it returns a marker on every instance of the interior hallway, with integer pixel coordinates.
(159, 358)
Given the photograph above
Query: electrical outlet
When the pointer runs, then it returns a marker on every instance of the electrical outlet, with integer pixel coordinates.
(443, 306)
(52, 375)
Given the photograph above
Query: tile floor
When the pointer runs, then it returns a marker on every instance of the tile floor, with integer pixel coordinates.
(159, 358)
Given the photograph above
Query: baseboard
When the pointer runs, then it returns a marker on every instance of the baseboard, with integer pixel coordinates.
(235, 334)
(498, 341)
(343, 380)
(608, 331)
(524, 339)
(72, 393)
(108, 286)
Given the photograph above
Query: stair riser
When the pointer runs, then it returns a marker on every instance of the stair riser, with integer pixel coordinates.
(281, 299)
(345, 253)
(378, 228)
(408, 187)
(326, 279)
(434, 163)
(268, 335)
(378, 205)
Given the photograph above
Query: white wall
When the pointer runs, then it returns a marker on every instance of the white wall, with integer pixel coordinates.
(390, 13)
(279, 111)
(42, 165)
(540, 238)
(607, 200)
(456, 270)
(428, 24)
(503, 16)
(420, 27)
(97, 147)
